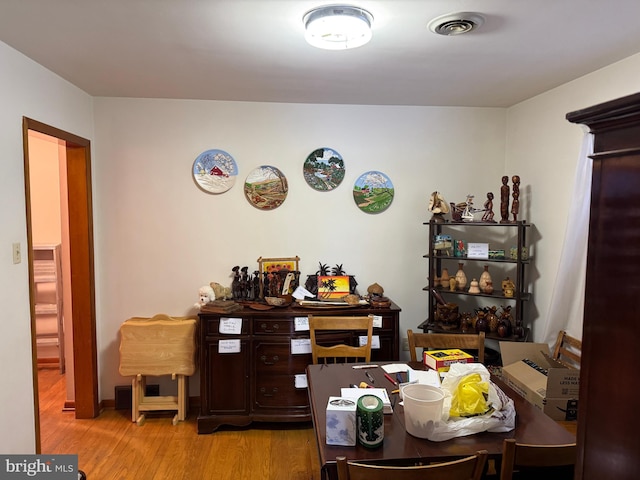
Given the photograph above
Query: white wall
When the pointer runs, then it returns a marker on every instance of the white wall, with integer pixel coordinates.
(26, 89)
(159, 237)
(543, 147)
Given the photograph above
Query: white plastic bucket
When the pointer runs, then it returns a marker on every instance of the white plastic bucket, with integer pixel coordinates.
(422, 408)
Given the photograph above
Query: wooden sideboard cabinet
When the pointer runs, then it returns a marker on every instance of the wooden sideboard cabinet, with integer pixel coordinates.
(262, 381)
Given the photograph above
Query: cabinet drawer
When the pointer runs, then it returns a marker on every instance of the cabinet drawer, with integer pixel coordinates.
(278, 391)
(273, 357)
(273, 326)
(211, 324)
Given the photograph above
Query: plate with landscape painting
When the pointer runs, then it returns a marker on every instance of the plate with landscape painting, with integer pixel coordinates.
(323, 169)
(215, 171)
(373, 192)
(266, 187)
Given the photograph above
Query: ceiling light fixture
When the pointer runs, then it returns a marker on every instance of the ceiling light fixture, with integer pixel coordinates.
(337, 27)
(456, 23)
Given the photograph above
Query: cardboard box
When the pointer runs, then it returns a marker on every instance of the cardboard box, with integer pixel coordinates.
(552, 387)
(441, 359)
(341, 421)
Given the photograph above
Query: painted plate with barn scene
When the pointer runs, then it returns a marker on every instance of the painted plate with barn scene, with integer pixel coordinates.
(373, 192)
(323, 169)
(215, 171)
(266, 187)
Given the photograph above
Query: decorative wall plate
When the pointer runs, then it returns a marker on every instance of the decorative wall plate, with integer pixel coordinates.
(373, 192)
(266, 187)
(323, 169)
(215, 171)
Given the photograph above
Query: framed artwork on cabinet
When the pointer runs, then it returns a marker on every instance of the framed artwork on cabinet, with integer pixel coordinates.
(278, 276)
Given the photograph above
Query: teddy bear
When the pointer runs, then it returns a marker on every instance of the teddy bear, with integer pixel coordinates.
(206, 295)
(221, 292)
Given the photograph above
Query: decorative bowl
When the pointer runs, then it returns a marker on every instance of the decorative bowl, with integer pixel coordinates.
(275, 301)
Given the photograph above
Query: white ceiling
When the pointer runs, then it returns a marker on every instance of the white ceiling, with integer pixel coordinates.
(255, 51)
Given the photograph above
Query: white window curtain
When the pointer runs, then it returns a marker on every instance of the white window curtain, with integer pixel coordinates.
(566, 309)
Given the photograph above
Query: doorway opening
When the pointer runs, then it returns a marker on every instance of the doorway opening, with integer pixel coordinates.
(79, 248)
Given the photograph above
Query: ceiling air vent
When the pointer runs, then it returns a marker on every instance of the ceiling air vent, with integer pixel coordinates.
(456, 23)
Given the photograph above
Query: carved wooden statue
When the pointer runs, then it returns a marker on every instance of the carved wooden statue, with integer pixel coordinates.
(438, 207)
(488, 209)
(504, 200)
(515, 206)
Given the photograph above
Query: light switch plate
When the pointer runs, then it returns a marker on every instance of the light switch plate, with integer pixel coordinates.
(17, 254)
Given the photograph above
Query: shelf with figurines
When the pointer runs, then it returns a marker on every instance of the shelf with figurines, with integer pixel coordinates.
(471, 236)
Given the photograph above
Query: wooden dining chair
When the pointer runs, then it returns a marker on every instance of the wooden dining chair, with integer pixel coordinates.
(341, 352)
(554, 461)
(568, 350)
(463, 341)
(467, 468)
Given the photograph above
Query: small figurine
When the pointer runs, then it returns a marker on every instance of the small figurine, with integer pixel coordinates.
(235, 284)
(375, 290)
(438, 207)
(244, 282)
(508, 287)
(221, 293)
(257, 293)
(488, 209)
(456, 212)
(473, 288)
(515, 206)
(206, 295)
(504, 200)
(467, 213)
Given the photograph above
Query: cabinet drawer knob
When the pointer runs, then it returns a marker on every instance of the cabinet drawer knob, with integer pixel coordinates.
(264, 328)
(275, 359)
(264, 393)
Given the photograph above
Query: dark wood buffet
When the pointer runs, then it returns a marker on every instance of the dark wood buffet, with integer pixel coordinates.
(254, 371)
(608, 444)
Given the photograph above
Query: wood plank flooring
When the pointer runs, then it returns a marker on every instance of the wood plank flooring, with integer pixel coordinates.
(111, 447)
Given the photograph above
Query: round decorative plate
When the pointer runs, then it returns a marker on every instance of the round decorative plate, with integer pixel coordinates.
(266, 187)
(323, 169)
(373, 192)
(215, 171)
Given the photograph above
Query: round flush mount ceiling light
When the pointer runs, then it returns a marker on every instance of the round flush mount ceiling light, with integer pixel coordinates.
(456, 23)
(337, 27)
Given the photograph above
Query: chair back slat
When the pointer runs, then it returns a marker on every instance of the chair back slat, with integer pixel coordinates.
(340, 353)
(463, 341)
(568, 350)
(516, 456)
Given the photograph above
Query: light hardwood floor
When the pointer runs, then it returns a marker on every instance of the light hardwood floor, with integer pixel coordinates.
(111, 447)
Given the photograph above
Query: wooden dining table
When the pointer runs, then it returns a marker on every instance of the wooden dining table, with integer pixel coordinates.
(401, 448)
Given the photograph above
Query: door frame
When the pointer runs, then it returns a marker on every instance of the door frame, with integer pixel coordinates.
(78, 151)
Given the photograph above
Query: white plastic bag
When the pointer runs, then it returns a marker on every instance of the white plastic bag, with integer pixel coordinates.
(501, 419)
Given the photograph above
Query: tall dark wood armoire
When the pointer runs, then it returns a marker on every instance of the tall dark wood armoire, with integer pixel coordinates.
(609, 407)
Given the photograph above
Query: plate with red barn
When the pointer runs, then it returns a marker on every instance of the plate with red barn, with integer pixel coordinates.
(215, 171)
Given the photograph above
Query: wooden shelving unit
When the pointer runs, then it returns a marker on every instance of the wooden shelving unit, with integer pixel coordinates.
(502, 235)
(47, 276)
